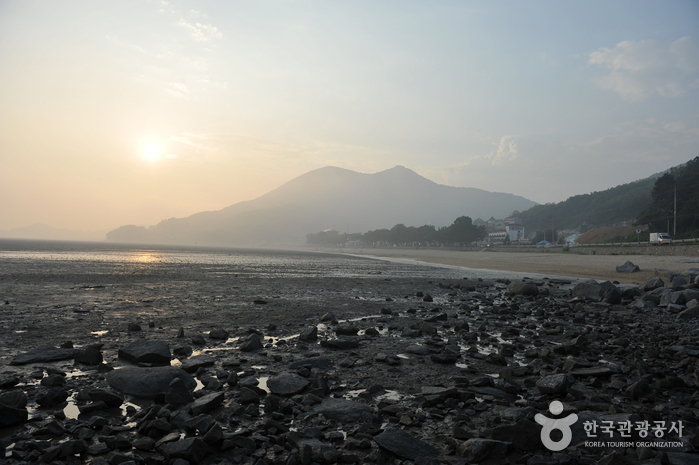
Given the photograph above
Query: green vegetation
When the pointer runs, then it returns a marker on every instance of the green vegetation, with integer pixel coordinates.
(659, 215)
(461, 232)
(621, 203)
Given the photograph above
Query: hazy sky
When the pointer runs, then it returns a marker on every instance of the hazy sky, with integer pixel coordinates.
(129, 112)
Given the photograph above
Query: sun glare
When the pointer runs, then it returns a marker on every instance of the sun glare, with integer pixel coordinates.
(152, 152)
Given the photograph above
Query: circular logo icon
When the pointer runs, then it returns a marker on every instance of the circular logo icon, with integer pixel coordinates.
(550, 424)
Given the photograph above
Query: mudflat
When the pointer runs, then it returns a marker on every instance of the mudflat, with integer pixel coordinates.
(328, 359)
(554, 264)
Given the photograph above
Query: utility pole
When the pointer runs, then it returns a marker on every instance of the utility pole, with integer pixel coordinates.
(553, 233)
(674, 232)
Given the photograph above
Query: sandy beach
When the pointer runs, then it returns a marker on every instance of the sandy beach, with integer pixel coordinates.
(554, 264)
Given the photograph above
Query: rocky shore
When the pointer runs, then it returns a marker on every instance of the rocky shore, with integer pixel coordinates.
(349, 370)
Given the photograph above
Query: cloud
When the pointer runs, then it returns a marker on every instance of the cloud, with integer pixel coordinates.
(176, 89)
(200, 32)
(640, 69)
(117, 41)
(507, 150)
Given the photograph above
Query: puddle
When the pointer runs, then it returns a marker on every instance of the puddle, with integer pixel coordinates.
(99, 333)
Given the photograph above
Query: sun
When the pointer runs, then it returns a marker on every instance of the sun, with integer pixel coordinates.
(151, 152)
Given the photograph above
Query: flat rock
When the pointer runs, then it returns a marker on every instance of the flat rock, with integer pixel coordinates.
(207, 403)
(598, 371)
(310, 334)
(404, 445)
(340, 344)
(314, 362)
(190, 449)
(147, 382)
(147, 351)
(192, 364)
(342, 409)
(287, 384)
(47, 353)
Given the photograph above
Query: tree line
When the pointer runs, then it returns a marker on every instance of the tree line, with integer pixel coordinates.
(681, 184)
(460, 233)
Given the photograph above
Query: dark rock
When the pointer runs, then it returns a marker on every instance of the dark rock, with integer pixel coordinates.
(207, 403)
(287, 384)
(92, 407)
(134, 327)
(182, 351)
(591, 290)
(689, 314)
(248, 396)
(192, 364)
(524, 435)
(310, 334)
(653, 283)
(346, 329)
(14, 399)
(53, 380)
(191, 449)
(147, 351)
(89, 356)
(178, 393)
(598, 371)
(478, 449)
(627, 267)
(342, 409)
(47, 353)
(253, 342)
(554, 384)
(314, 362)
(427, 298)
(523, 288)
(444, 358)
(340, 344)
(404, 445)
(218, 333)
(112, 399)
(52, 398)
(10, 416)
(330, 316)
(8, 382)
(147, 382)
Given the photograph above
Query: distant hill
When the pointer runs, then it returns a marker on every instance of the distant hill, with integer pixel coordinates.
(329, 198)
(611, 206)
(44, 232)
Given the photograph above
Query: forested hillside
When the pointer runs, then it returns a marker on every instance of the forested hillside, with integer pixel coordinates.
(621, 203)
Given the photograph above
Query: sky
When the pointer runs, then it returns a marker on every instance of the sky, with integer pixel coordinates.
(135, 111)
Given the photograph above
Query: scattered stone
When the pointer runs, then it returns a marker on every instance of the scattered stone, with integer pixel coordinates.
(477, 449)
(134, 327)
(147, 382)
(310, 334)
(253, 342)
(342, 409)
(218, 333)
(628, 267)
(147, 351)
(523, 288)
(404, 445)
(340, 344)
(192, 364)
(178, 393)
(207, 403)
(287, 384)
(47, 353)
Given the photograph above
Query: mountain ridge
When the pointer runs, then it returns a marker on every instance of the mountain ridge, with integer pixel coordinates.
(328, 198)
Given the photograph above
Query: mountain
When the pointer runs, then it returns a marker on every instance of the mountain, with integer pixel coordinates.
(44, 232)
(619, 204)
(328, 198)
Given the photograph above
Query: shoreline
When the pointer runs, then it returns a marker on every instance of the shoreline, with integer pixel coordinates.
(568, 265)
